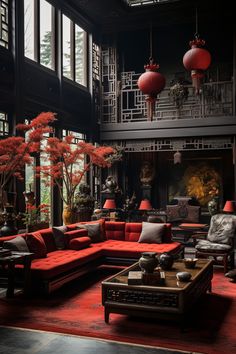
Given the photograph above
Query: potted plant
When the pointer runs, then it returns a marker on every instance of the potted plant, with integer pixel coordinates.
(179, 94)
(15, 151)
(68, 165)
(36, 217)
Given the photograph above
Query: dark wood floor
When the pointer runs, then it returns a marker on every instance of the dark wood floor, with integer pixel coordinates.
(21, 341)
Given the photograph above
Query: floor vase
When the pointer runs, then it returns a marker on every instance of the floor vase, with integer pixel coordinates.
(69, 216)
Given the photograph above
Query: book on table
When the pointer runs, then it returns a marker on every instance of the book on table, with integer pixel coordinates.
(135, 278)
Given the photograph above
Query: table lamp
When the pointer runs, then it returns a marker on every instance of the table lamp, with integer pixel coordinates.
(109, 204)
(145, 205)
(229, 206)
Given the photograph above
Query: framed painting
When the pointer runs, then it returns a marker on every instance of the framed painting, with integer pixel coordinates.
(200, 179)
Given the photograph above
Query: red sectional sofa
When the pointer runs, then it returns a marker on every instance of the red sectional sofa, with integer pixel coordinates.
(119, 246)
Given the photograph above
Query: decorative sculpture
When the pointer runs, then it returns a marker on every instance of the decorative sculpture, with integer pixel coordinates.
(147, 174)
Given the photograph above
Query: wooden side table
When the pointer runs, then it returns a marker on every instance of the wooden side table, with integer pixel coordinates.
(8, 264)
(184, 232)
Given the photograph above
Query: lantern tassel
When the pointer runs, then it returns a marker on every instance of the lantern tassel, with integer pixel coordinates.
(151, 102)
(197, 75)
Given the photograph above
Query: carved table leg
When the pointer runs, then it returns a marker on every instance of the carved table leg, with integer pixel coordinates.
(27, 274)
(106, 315)
(11, 279)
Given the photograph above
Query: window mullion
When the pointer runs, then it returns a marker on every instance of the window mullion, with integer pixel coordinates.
(53, 38)
(72, 51)
(36, 30)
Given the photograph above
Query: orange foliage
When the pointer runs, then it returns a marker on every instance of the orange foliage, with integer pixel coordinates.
(15, 151)
(68, 163)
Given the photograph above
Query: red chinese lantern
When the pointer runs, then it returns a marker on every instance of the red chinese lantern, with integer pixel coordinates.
(197, 60)
(151, 83)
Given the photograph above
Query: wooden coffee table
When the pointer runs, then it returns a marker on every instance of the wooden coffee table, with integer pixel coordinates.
(172, 299)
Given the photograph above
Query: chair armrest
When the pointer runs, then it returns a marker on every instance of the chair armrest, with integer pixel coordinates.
(199, 235)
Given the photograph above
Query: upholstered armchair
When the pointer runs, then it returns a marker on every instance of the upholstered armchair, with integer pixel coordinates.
(218, 242)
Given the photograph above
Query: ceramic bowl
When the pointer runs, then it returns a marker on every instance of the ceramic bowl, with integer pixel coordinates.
(183, 276)
(190, 263)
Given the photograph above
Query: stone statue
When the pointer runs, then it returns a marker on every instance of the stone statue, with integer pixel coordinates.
(83, 199)
(147, 174)
(110, 186)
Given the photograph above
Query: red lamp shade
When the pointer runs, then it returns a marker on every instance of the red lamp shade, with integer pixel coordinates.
(229, 206)
(151, 83)
(109, 204)
(197, 60)
(145, 205)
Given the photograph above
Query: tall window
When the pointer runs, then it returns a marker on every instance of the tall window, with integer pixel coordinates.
(67, 47)
(45, 186)
(74, 51)
(78, 137)
(4, 124)
(40, 37)
(80, 52)
(29, 10)
(41, 187)
(4, 30)
(39, 32)
(30, 176)
(46, 39)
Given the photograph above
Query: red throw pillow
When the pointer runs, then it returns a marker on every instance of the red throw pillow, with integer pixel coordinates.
(69, 235)
(36, 245)
(79, 243)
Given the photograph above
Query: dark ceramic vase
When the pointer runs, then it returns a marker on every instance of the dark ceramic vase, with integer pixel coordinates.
(148, 262)
(8, 228)
(166, 261)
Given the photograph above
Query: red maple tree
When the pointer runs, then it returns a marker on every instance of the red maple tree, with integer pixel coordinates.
(69, 163)
(15, 150)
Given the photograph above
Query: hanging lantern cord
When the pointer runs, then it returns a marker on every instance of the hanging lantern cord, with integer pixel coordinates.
(150, 39)
(196, 24)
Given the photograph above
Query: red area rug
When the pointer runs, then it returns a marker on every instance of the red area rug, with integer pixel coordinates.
(76, 309)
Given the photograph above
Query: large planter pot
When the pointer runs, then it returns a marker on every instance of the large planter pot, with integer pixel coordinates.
(69, 216)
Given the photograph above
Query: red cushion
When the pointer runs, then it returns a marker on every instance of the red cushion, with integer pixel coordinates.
(121, 249)
(61, 261)
(36, 245)
(133, 231)
(72, 227)
(70, 235)
(48, 238)
(115, 230)
(79, 243)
